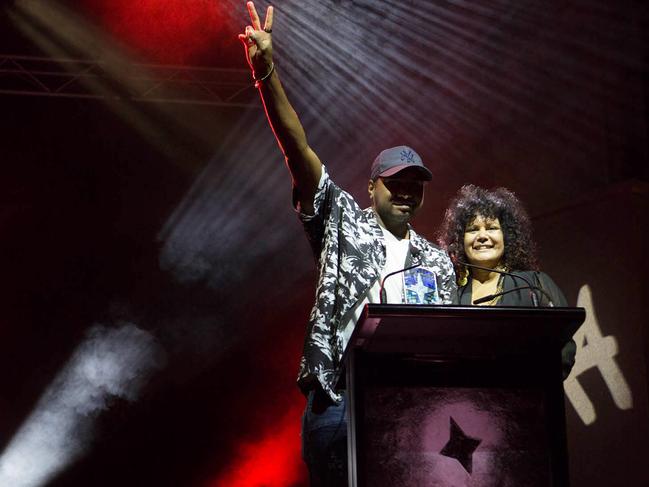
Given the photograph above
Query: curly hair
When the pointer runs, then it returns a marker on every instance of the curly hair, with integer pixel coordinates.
(471, 201)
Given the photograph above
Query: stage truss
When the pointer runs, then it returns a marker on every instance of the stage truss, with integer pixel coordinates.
(151, 83)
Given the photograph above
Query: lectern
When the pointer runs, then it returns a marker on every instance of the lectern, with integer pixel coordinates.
(457, 396)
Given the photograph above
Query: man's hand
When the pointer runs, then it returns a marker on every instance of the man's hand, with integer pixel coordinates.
(257, 42)
(302, 162)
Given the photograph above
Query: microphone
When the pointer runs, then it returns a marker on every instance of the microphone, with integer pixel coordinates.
(382, 292)
(489, 297)
(530, 286)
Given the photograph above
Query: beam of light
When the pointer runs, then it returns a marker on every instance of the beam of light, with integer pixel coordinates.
(442, 76)
(111, 364)
(217, 223)
(273, 460)
(173, 31)
(469, 72)
(179, 132)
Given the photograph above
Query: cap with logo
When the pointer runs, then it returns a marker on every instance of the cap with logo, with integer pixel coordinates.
(391, 161)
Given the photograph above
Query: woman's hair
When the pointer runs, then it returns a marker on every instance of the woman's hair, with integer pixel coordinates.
(471, 201)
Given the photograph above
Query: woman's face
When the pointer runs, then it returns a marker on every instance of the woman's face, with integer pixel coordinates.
(484, 242)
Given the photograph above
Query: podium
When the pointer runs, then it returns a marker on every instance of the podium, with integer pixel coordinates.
(457, 396)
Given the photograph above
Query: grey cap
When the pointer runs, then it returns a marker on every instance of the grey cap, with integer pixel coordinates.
(390, 161)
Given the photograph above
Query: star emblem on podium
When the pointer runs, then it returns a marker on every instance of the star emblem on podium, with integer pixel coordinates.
(460, 446)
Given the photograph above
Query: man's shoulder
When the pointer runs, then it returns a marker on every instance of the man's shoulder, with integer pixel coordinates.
(327, 184)
(424, 244)
(329, 199)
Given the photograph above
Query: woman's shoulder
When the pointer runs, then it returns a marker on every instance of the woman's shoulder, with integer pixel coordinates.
(536, 275)
(546, 283)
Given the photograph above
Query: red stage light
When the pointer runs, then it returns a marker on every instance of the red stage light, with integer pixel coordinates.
(166, 31)
(273, 461)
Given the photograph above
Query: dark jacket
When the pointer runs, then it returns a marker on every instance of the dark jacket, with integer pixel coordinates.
(551, 296)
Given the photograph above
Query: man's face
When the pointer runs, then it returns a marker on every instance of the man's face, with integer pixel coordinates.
(397, 198)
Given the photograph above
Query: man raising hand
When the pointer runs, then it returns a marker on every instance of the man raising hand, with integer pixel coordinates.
(354, 250)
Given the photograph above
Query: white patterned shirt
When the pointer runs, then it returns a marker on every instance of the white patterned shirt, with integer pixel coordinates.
(349, 247)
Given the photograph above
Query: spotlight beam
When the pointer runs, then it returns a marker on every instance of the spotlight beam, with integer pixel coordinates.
(112, 363)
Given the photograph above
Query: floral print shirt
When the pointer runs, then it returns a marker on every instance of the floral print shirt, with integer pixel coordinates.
(349, 248)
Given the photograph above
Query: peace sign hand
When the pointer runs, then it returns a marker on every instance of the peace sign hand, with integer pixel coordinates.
(257, 41)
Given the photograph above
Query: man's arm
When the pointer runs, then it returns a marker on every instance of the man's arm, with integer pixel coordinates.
(302, 162)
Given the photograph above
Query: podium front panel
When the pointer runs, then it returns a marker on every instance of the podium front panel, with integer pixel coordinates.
(434, 425)
(450, 396)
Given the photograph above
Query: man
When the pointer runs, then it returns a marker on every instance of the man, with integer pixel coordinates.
(355, 249)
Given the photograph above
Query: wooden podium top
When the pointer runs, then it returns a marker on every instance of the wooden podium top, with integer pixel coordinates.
(463, 330)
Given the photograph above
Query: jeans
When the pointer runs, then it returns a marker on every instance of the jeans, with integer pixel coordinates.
(324, 441)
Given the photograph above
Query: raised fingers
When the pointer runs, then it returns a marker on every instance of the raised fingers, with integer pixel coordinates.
(250, 35)
(268, 23)
(254, 18)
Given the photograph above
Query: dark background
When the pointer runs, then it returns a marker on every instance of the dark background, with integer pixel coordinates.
(176, 216)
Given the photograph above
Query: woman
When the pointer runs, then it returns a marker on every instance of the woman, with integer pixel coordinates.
(485, 230)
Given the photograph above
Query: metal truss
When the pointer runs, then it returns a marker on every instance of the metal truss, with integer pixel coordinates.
(80, 78)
